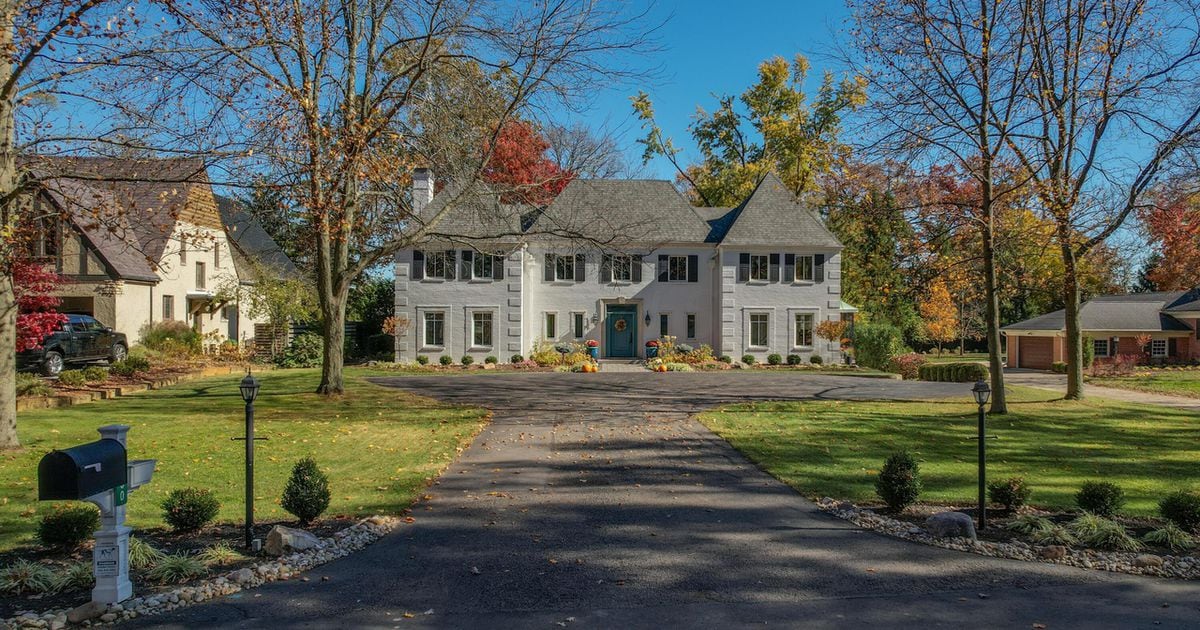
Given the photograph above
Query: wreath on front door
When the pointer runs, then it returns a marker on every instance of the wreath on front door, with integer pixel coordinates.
(620, 325)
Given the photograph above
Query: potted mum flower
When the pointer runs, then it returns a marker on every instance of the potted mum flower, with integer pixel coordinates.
(651, 348)
(593, 347)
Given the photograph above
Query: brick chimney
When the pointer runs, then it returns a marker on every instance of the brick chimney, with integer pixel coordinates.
(422, 189)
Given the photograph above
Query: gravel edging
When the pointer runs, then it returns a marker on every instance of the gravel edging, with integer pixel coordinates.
(1167, 566)
(341, 544)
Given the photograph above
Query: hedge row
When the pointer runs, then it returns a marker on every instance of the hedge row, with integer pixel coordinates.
(953, 372)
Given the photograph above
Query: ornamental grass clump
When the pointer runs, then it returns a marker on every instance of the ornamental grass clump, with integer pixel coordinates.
(1029, 525)
(220, 554)
(306, 495)
(899, 482)
(1103, 533)
(1054, 535)
(142, 555)
(23, 576)
(1171, 537)
(177, 568)
(76, 576)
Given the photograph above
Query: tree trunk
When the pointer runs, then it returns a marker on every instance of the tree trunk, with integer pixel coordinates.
(995, 365)
(1074, 344)
(334, 326)
(8, 298)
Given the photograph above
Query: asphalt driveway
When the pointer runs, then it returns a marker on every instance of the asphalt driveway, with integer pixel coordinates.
(595, 501)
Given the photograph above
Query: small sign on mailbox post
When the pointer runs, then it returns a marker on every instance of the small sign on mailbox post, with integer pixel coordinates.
(99, 473)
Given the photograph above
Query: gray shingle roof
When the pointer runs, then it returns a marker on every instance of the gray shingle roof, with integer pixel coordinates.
(771, 215)
(97, 215)
(252, 248)
(475, 216)
(1187, 301)
(1140, 312)
(621, 211)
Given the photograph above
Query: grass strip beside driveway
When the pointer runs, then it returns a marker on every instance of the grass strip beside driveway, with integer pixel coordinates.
(379, 446)
(1174, 383)
(836, 448)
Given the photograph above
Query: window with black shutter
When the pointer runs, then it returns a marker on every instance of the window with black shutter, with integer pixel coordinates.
(466, 266)
(774, 267)
(662, 267)
(743, 273)
(819, 268)
(693, 268)
(636, 271)
(418, 265)
(497, 267)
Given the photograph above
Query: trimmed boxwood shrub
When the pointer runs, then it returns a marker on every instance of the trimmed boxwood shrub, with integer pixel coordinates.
(1059, 367)
(774, 359)
(794, 359)
(95, 374)
(467, 359)
(725, 358)
(189, 509)
(72, 378)
(1012, 493)
(1183, 509)
(748, 359)
(491, 359)
(422, 359)
(69, 526)
(1101, 498)
(899, 482)
(306, 495)
(876, 344)
(516, 358)
(816, 359)
(445, 359)
(965, 372)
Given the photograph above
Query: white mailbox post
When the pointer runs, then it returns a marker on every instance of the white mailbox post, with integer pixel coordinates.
(100, 474)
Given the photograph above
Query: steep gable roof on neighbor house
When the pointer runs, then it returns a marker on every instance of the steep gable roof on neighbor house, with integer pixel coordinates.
(771, 215)
(1135, 312)
(621, 211)
(252, 248)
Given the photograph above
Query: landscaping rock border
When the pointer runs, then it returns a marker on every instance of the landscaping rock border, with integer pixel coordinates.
(1178, 567)
(341, 544)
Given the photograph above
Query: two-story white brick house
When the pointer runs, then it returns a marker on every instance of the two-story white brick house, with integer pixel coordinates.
(621, 262)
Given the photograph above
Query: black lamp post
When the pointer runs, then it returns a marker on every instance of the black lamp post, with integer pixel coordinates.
(249, 387)
(982, 392)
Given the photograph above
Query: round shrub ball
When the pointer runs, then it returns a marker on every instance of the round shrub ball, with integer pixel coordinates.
(899, 481)
(445, 359)
(189, 509)
(748, 359)
(816, 359)
(306, 495)
(774, 359)
(422, 359)
(725, 358)
(1182, 508)
(69, 526)
(467, 359)
(516, 358)
(1012, 493)
(1101, 498)
(492, 360)
(794, 359)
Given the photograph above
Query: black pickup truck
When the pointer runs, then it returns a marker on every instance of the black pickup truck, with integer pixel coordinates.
(81, 339)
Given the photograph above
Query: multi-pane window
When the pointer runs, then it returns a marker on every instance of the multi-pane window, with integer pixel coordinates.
(677, 269)
(481, 329)
(1100, 347)
(760, 267)
(577, 325)
(1158, 348)
(200, 275)
(760, 324)
(483, 266)
(622, 268)
(435, 329)
(564, 267)
(435, 264)
(804, 330)
(551, 325)
(804, 268)
(664, 324)
(691, 326)
(168, 307)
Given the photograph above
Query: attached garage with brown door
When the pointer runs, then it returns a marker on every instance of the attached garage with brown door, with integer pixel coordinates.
(1035, 353)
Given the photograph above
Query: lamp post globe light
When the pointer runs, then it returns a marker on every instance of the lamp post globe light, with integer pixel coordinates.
(249, 388)
(982, 393)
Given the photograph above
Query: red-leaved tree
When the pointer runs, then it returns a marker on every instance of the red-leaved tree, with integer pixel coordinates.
(38, 314)
(520, 166)
(1174, 227)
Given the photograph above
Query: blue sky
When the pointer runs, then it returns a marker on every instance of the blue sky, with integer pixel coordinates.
(708, 48)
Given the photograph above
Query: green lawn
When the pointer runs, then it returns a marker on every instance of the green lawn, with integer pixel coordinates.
(1181, 383)
(379, 446)
(836, 448)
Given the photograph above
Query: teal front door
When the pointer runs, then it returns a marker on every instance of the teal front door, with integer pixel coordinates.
(621, 331)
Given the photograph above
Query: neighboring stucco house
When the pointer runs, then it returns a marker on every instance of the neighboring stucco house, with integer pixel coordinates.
(1114, 322)
(621, 262)
(141, 241)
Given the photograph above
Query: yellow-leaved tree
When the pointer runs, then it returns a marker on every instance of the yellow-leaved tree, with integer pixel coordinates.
(939, 315)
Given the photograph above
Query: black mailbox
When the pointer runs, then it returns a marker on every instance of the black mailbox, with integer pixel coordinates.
(82, 471)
